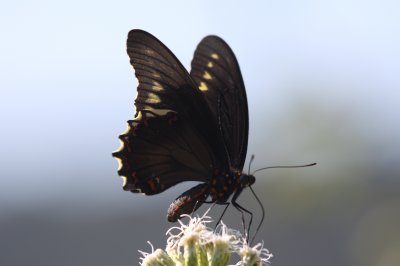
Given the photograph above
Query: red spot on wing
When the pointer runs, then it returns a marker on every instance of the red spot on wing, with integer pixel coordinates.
(152, 185)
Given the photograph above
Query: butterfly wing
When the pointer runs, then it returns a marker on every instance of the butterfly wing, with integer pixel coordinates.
(174, 137)
(217, 75)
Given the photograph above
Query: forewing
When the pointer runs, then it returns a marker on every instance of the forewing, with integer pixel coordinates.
(217, 75)
(163, 81)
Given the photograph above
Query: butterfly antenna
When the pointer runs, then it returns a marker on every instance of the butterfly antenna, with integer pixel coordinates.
(251, 161)
(263, 214)
(283, 166)
(255, 195)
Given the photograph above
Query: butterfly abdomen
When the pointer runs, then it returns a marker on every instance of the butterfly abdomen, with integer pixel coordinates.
(188, 202)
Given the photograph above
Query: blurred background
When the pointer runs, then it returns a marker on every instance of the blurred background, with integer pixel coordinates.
(322, 81)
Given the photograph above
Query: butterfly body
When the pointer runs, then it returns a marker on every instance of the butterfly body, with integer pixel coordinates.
(187, 127)
(220, 187)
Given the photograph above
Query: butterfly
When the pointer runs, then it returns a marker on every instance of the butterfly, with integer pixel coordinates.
(188, 126)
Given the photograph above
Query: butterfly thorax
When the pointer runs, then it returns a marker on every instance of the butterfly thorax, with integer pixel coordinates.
(224, 184)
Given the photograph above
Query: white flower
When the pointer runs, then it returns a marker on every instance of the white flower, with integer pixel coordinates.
(254, 256)
(156, 258)
(198, 245)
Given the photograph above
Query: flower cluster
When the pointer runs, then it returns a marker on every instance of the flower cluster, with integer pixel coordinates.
(196, 244)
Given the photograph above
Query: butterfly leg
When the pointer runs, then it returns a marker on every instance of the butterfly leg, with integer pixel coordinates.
(222, 215)
(242, 211)
(199, 203)
(213, 204)
(196, 206)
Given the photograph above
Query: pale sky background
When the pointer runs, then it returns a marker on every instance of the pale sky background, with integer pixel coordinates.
(66, 86)
(323, 85)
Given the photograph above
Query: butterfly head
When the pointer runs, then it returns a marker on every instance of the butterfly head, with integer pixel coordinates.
(246, 180)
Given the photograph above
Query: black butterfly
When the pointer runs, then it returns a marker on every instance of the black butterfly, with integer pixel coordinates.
(187, 127)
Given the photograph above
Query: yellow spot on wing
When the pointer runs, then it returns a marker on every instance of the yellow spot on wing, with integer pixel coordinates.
(119, 163)
(124, 180)
(210, 64)
(157, 86)
(207, 75)
(203, 86)
(159, 112)
(215, 56)
(153, 98)
(138, 116)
